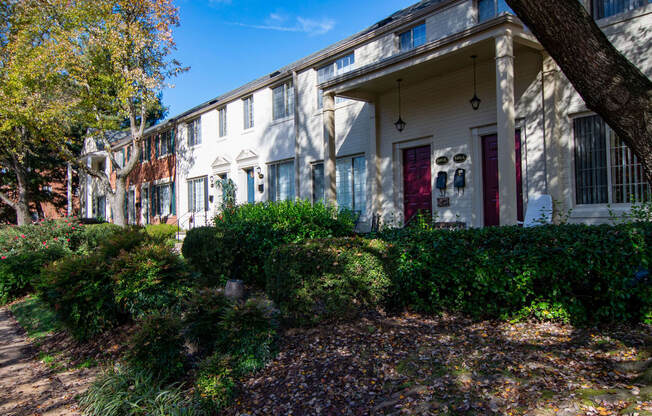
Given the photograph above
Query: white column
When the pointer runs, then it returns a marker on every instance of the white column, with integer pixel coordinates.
(69, 188)
(506, 128)
(330, 189)
(373, 169)
(297, 143)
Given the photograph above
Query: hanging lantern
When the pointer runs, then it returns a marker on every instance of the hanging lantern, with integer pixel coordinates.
(475, 101)
(400, 124)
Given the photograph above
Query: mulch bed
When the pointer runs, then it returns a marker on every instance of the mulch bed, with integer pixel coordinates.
(450, 365)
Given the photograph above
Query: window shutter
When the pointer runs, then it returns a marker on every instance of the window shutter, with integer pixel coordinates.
(198, 139)
(156, 146)
(272, 183)
(152, 200)
(205, 194)
(190, 198)
(173, 200)
(172, 147)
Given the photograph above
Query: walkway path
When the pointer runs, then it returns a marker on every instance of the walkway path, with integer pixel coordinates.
(27, 387)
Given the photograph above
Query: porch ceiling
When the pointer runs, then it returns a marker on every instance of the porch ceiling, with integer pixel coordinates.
(440, 58)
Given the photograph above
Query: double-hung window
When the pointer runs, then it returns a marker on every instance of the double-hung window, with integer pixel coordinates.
(165, 143)
(330, 71)
(412, 38)
(488, 9)
(162, 199)
(606, 8)
(606, 170)
(283, 101)
(248, 108)
(351, 179)
(197, 191)
(222, 120)
(281, 181)
(194, 132)
(146, 152)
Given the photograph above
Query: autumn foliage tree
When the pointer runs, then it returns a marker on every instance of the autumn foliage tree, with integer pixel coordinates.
(124, 63)
(36, 93)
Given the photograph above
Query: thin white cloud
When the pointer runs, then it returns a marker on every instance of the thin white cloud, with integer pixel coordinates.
(276, 21)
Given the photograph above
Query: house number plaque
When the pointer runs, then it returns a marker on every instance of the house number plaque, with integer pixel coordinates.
(442, 160)
(459, 158)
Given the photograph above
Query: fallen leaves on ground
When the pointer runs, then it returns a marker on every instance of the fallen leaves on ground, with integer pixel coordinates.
(450, 365)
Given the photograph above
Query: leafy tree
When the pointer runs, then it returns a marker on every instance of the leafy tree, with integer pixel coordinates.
(123, 65)
(607, 81)
(37, 96)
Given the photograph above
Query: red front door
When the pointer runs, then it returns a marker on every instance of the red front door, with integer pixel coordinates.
(417, 188)
(490, 179)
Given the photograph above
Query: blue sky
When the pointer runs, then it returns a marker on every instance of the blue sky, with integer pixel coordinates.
(228, 43)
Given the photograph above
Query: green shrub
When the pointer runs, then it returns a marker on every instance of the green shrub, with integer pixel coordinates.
(215, 386)
(124, 241)
(129, 392)
(157, 347)
(587, 271)
(161, 232)
(329, 279)
(149, 278)
(545, 312)
(94, 234)
(79, 288)
(19, 273)
(245, 235)
(29, 238)
(204, 311)
(248, 334)
(201, 248)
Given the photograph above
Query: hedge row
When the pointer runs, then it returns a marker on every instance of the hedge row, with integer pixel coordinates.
(237, 246)
(593, 274)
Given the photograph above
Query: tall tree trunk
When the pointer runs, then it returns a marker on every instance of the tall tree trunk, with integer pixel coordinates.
(609, 83)
(118, 201)
(23, 215)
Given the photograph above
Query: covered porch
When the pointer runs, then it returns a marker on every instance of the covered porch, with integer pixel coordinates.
(444, 136)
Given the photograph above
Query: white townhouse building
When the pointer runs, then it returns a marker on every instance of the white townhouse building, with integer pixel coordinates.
(450, 106)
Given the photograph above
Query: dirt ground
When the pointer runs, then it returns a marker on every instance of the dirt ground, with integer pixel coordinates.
(27, 386)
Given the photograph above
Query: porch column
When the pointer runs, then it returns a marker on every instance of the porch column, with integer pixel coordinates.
(330, 189)
(297, 139)
(373, 171)
(69, 189)
(506, 128)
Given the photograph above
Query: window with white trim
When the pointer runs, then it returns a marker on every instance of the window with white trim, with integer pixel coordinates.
(606, 170)
(327, 72)
(606, 8)
(222, 120)
(412, 38)
(488, 9)
(283, 101)
(281, 181)
(197, 191)
(194, 132)
(248, 107)
(162, 199)
(351, 179)
(165, 143)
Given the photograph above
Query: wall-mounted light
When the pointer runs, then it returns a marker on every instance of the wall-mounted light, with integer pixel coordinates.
(475, 101)
(212, 179)
(400, 124)
(260, 173)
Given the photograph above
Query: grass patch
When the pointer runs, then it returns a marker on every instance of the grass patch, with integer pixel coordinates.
(51, 361)
(35, 317)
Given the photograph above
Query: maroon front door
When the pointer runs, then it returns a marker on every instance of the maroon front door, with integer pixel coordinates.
(490, 179)
(417, 188)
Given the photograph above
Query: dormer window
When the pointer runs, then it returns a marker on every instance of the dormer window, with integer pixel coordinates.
(412, 38)
(488, 9)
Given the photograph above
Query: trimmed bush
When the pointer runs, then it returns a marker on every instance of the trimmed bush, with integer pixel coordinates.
(161, 233)
(245, 236)
(215, 386)
(329, 279)
(157, 347)
(248, 334)
(20, 272)
(149, 278)
(586, 271)
(202, 249)
(204, 311)
(92, 235)
(79, 288)
(16, 240)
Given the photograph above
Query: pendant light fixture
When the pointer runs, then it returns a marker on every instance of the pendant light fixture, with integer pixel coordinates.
(475, 101)
(400, 124)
